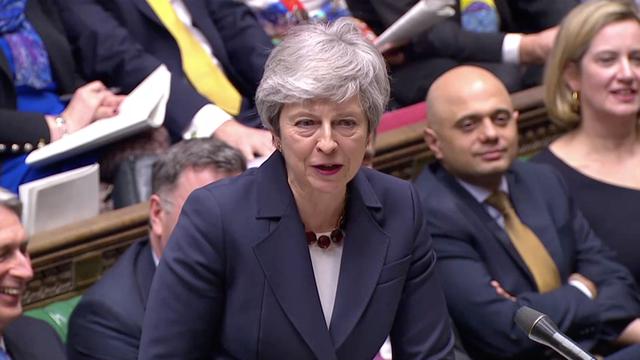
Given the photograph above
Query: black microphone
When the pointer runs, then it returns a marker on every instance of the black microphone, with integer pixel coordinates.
(541, 329)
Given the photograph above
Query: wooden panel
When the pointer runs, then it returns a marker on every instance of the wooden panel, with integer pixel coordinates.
(68, 259)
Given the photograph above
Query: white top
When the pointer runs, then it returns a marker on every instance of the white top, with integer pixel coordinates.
(207, 120)
(326, 270)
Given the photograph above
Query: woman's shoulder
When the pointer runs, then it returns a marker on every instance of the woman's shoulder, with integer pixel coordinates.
(378, 179)
(385, 187)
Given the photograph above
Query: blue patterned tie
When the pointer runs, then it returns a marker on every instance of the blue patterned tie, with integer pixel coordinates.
(479, 16)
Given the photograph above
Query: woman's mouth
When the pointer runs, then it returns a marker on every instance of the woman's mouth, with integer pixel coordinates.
(328, 169)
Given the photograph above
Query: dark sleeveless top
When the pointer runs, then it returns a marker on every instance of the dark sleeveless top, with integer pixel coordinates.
(612, 211)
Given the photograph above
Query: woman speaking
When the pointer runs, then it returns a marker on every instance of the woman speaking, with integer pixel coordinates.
(310, 255)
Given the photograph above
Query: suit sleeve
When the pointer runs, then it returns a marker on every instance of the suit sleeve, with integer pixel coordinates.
(19, 127)
(96, 333)
(431, 337)
(105, 50)
(185, 303)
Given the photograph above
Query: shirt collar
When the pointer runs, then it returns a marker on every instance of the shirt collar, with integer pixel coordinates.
(481, 194)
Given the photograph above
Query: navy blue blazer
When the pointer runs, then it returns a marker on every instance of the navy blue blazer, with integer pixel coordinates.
(122, 41)
(32, 339)
(107, 322)
(236, 279)
(473, 250)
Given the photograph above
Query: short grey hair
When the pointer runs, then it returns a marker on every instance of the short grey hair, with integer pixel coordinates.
(11, 201)
(323, 61)
(194, 153)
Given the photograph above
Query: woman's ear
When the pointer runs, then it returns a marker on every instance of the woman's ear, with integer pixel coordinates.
(571, 76)
(276, 141)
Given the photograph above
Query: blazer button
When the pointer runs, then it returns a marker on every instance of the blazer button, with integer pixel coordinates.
(3, 147)
(15, 148)
(28, 147)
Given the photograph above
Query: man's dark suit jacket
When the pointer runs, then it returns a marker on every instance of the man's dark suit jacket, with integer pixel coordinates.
(447, 45)
(107, 322)
(236, 279)
(122, 41)
(473, 249)
(32, 339)
(24, 127)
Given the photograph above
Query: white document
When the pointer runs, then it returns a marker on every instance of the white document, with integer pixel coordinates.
(422, 16)
(60, 199)
(142, 109)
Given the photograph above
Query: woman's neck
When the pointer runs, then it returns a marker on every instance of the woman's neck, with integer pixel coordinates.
(320, 212)
(607, 136)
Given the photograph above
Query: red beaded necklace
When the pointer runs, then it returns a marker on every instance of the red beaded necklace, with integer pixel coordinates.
(325, 241)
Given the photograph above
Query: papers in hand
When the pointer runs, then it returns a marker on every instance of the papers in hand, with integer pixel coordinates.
(143, 108)
(422, 16)
(60, 199)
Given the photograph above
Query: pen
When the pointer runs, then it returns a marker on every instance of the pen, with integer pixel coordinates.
(67, 97)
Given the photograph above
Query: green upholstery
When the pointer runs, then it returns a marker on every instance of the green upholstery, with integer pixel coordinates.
(56, 314)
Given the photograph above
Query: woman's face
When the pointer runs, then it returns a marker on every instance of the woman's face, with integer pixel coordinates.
(609, 72)
(323, 143)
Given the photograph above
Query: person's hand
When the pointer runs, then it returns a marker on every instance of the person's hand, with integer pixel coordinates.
(393, 53)
(630, 334)
(249, 141)
(535, 48)
(502, 292)
(586, 282)
(90, 102)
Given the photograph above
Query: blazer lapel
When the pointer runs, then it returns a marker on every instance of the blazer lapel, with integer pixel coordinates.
(144, 7)
(284, 257)
(363, 256)
(483, 216)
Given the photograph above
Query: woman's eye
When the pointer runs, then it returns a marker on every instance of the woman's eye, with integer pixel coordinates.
(348, 123)
(606, 60)
(304, 123)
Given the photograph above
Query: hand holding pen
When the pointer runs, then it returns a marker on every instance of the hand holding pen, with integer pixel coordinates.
(90, 102)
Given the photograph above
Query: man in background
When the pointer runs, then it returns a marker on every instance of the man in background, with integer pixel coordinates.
(21, 337)
(510, 38)
(507, 233)
(107, 322)
(214, 49)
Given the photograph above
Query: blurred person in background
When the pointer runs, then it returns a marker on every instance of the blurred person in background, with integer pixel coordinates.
(21, 337)
(37, 68)
(592, 87)
(107, 322)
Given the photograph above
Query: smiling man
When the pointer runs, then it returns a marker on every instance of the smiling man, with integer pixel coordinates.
(507, 233)
(21, 338)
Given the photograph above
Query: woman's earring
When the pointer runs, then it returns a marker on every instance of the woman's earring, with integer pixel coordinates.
(575, 102)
